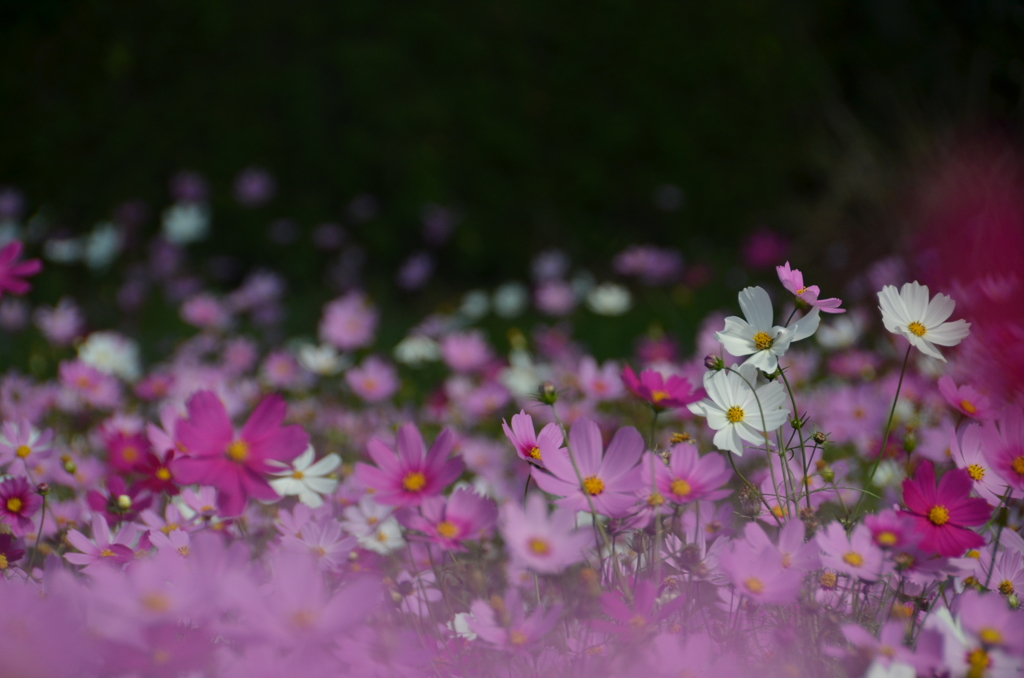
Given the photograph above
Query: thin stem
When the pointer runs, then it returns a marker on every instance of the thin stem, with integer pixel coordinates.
(800, 433)
(999, 534)
(888, 428)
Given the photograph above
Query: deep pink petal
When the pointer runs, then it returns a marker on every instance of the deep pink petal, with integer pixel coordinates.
(265, 419)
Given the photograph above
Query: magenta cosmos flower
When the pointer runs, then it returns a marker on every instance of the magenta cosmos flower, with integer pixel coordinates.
(942, 514)
(405, 478)
(690, 477)
(609, 482)
(235, 463)
(529, 445)
(661, 393)
(793, 281)
(464, 516)
(18, 502)
(12, 271)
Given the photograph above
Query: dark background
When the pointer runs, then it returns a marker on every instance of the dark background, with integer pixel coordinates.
(539, 123)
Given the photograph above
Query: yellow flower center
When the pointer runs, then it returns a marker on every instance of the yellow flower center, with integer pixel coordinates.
(886, 538)
(976, 472)
(593, 485)
(917, 329)
(658, 396)
(534, 452)
(516, 637)
(161, 656)
(990, 636)
(298, 475)
(787, 559)
(978, 661)
(238, 451)
(539, 546)
(967, 406)
(155, 602)
(655, 499)
(801, 290)
(680, 487)
(3, 562)
(939, 515)
(853, 558)
(106, 553)
(1006, 587)
(447, 529)
(1018, 465)
(735, 414)
(23, 451)
(129, 453)
(14, 504)
(414, 481)
(762, 341)
(754, 585)
(679, 438)
(163, 474)
(828, 580)
(638, 621)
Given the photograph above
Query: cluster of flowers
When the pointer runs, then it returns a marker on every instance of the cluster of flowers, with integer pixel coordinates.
(143, 533)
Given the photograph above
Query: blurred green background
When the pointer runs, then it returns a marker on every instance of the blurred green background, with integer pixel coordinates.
(586, 126)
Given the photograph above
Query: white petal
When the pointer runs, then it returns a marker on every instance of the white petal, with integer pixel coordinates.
(324, 466)
(806, 326)
(757, 308)
(728, 440)
(310, 499)
(764, 361)
(948, 334)
(939, 309)
(915, 298)
(304, 459)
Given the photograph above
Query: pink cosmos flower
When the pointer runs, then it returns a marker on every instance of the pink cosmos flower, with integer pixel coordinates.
(691, 477)
(23, 446)
(609, 481)
(464, 516)
(349, 322)
(94, 387)
(233, 463)
(11, 551)
(634, 618)
(856, 555)
(759, 575)
(892, 529)
(18, 503)
(373, 381)
(11, 273)
(660, 392)
(530, 446)
(965, 399)
(555, 297)
(405, 478)
(992, 621)
(968, 447)
(792, 550)
(324, 541)
(126, 450)
(545, 544)
(599, 383)
(101, 548)
(942, 514)
(62, 323)
(793, 280)
(1003, 446)
(466, 351)
(504, 623)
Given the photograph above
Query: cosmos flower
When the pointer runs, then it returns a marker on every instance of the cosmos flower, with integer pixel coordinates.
(856, 555)
(12, 271)
(1003, 447)
(307, 479)
(757, 337)
(943, 514)
(349, 322)
(661, 393)
(599, 383)
(465, 515)
(22, 445)
(922, 321)
(374, 380)
(18, 503)
(102, 548)
(690, 477)
(545, 544)
(759, 575)
(738, 413)
(503, 622)
(793, 281)
(965, 399)
(528, 444)
(608, 481)
(406, 477)
(235, 462)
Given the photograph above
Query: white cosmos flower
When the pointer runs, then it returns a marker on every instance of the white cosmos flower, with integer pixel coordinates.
(112, 353)
(323, 359)
(609, 299)
(921, 320)
(757, 337)
(186, 222)
(306, 479)
(736, 412)
(417, 349)
(387, 537)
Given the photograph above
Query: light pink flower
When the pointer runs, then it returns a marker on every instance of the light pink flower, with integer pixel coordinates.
(545, 544)
(349, 322)
(406, 478)
(373, 381)
(793, 280)
(530, 446)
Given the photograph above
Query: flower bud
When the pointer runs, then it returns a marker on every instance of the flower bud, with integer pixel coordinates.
(43, 489)
(819, 437)
(547, 393)
(910, 443)
(827, 474)
(714, 362)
